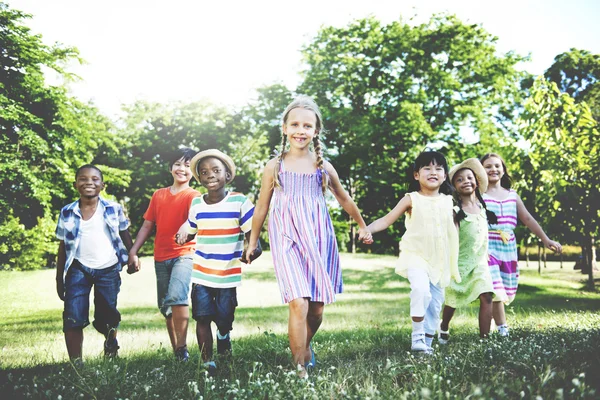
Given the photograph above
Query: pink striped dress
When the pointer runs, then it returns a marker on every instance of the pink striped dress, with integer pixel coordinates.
(503, 260)
(303, 244)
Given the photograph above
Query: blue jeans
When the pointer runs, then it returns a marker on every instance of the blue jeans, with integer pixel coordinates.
(214, 304)
(78, 285)
(173, 278)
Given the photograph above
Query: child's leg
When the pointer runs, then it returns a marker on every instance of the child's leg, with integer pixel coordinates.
(107, 284)
(163, 270)
(313, 322)
(176, 299)
(204, 311)
(297, 329)
(74, 341)
(420, 297)
(432, 314)
(78, 286)
(485, 314)
(205, 338)
(498, 313)
(226, 303)
(447, 317)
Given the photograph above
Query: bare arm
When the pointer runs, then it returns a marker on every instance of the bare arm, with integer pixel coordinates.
(384, 222)
(347, 204)
(60, 270)
(262, 206)
(143, 234)
(527, 219)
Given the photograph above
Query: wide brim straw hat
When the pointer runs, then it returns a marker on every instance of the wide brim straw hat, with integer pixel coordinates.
(216, 154)
(474, 165)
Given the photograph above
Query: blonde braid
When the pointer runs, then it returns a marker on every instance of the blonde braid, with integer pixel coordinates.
(319, 153)
(276, 182)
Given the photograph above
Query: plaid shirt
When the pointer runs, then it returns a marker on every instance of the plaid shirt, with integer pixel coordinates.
(68, 230)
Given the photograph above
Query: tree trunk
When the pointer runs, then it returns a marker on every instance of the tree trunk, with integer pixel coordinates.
(561, 260)
(544, 255)
(527, 256)
(352, 226)
(539, 259)
(592, 260)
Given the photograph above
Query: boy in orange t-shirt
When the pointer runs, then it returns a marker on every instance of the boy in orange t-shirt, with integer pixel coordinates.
(168, 210)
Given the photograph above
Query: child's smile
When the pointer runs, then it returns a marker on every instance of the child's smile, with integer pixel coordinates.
(300, 127)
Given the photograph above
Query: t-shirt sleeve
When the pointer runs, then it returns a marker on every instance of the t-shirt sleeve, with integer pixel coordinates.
(60, 227)
(150, 214)
(191, 224)
(246, 213)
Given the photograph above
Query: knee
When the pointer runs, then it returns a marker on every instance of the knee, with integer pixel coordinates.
(486, 298)
(203, 319)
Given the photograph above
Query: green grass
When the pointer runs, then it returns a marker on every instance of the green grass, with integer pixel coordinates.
(362, 348)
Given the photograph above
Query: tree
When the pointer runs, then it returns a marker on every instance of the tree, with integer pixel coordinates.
(577, 72)
(388, 91)
(44, 136)
(565, 151)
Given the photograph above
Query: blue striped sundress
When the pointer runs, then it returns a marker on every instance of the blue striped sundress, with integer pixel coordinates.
(503, 260)
(302, 239)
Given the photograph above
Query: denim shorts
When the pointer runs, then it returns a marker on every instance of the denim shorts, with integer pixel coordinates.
(78, 285)
(173, 278)
(214, 304)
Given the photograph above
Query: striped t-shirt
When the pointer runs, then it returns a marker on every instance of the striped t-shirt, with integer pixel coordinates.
(219, 230)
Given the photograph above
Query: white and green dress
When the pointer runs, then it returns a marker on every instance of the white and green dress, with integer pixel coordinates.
(472, 262)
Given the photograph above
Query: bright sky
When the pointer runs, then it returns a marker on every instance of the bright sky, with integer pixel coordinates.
(222, 50)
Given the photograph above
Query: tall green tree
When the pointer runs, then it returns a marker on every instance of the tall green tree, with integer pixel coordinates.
(388, 91)
(577, 72)
(564, 150)
(44, 136)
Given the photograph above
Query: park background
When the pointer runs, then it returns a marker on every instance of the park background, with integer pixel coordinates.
(388, 89)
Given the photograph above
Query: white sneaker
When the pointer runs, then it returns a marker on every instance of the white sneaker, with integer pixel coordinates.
(418, 343)
(503, 330)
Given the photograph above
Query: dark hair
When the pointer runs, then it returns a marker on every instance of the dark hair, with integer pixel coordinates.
(89, 166)
(506, 180)
(185, 152)
(460, 215)
(424, 159)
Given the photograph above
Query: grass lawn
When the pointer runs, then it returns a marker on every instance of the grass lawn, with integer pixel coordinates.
(362, 348)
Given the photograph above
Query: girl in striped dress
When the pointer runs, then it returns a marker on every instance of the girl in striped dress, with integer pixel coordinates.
(301, 236)
(508, 206)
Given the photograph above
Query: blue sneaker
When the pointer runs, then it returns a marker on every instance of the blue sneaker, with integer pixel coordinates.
(182, 354)
(211, 367)
(224, 345)
(312, 363)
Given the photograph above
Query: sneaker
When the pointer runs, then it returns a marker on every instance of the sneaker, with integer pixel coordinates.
(313, 362)
(418, 343)
(224, 345)
(111, 345)
(443, 336)
(503, 330)
(182, 354)
(211, 367)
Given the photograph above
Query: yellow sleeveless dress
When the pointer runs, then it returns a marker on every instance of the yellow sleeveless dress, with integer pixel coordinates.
(431, 239)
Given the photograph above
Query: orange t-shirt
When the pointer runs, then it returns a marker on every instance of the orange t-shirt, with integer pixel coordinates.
(168, 212)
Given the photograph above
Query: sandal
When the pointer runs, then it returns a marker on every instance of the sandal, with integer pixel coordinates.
(443, 336)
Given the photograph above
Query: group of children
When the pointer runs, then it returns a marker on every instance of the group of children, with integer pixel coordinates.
(459, 243)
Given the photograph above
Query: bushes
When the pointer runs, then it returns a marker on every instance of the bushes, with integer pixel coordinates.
(24, 249)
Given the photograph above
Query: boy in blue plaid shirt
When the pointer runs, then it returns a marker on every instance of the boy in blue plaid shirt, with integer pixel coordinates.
(94, 244)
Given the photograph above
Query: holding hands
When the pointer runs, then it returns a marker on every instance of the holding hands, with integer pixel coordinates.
(134, 264)
(552, 245)
(365, 236)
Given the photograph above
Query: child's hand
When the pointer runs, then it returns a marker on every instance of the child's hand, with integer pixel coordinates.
(554, 246)
(365, 236)
(251, 253)
(134, 264)
(60, 288)
(182, 237)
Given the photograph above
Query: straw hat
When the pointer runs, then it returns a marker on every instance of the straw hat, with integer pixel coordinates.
(474, 165)
(216, 154)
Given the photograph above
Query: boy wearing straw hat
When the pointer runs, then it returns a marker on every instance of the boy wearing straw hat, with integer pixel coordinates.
(220, 219)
